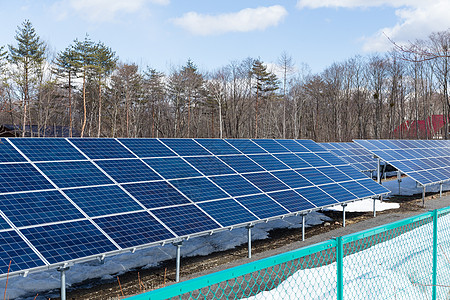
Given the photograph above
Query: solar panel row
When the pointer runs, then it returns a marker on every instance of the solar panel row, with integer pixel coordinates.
(353, 154)
(426, 161)
(71, 199)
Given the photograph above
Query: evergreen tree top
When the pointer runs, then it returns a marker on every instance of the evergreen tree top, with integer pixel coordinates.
(30, 48)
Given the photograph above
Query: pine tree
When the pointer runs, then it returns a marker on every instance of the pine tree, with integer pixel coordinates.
(155, 87)
(27, 57)
(3, 62)
(84, 63)
(264, 83)
(104, 63)
(65, 67)
(192, 84)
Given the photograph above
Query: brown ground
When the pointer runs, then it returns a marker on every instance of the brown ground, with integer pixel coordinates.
(280, 240)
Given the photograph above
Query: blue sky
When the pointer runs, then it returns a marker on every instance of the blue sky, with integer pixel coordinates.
(166, 33)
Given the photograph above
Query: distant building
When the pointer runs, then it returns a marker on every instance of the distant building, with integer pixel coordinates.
(422, 129)
(8, 130)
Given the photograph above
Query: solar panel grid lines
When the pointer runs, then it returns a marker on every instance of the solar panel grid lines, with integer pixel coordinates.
(228, 212)
(26, 247)
(425, 161)
(222, 169)
(146, 148)
(173, 185)
(354, 154)
(235, 171)
(252, 183)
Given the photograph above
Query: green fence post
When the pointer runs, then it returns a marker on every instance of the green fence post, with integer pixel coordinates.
(340, 268)
(435, 239)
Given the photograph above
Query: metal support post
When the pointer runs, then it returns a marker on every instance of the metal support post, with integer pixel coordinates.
(399, 179)
(303, 226)
(340, 268)
(63, 281)
(440, 189)
(178, 263)
(378, 171)
(343, 214)
(423, 196)
(374, 207)
(435, 240)
(249, 231)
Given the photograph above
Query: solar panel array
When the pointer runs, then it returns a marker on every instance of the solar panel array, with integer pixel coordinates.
(354, 154)
(75, 199)
(425, 161)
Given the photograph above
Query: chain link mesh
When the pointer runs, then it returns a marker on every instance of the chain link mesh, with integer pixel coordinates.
(396, 261)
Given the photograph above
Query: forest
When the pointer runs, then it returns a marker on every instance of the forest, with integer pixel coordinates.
(87, 88)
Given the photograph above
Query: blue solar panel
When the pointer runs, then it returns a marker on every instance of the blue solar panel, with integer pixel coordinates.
(66, 241)
(156, 194)
(246, 146)
(335, 174)
(292, 146)
(315, 176)
(353, 154)
(171, 168)
(313, 160)
(168, 185)
(235, 185)
(72, 174)
(4, 225)
(209, 165)
(291, 178)
(374, 187)
(292, 201)
(35, 208)
(241, 163)
(421, 160)
(262, 206)
(317, 196)
(266, 182)
(357, 189)
(338, 192)
(351, 172)
(102, 200)
(331, 159)
(185, 220)
(131, 230)
(271, 146)
(21, 177)
(311, 145)
(185, 147)
(199, 189)
(14, 249)
(47, 149)
(268, 162)
(217, 147)
(128, 170)
(147, 148)
(8, 153)
(227, 212)
(292, 161)
(102, 148)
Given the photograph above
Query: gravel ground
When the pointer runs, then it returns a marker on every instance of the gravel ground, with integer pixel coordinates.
(280, 241)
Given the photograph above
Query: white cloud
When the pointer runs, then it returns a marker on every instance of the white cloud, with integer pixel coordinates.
(245, 20)
(355, 3)
(101, 10)
(416, 19)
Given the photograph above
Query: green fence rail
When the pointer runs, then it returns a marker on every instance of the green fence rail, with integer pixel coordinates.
(407, 259)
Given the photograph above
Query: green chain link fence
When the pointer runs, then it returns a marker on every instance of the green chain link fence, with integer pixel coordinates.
(408, 259)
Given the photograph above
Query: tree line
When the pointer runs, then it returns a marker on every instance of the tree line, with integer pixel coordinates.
(88, 89)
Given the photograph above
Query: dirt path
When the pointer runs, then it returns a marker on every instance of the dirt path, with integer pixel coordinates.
(281, 240)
